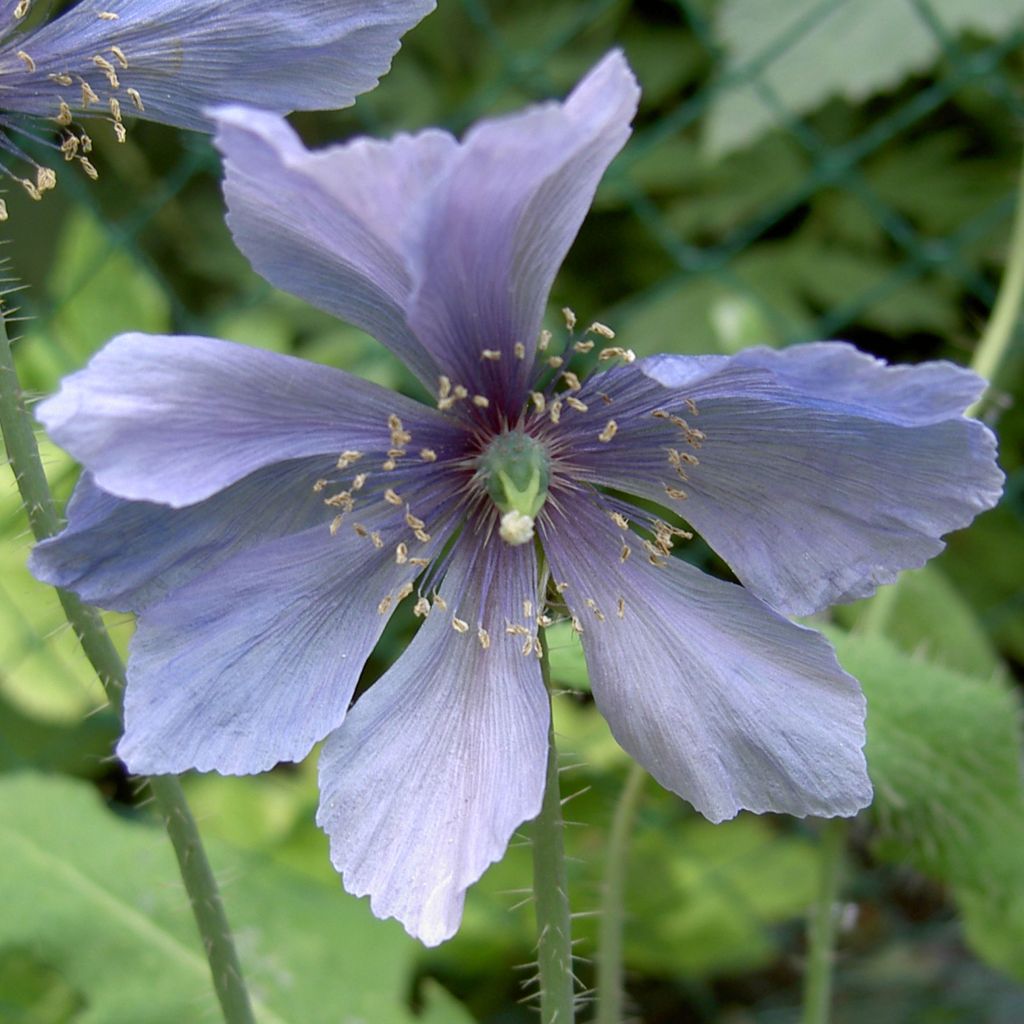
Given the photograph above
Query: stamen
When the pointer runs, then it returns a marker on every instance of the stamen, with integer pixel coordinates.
(403, 592)
(428, 455)
(571, 380)
(627, 355)
(392, 498)
(622, 608)
(544, 340)
(555, 362)
(481, 401)
(577, 626)
(28, 61)
(358, 480)
(592, 605)
(385, 605)
(402, 553)
(422, 562)
(538, 401)
(439, 602)
(484, 637)
(569, 316)
(376, 539)
(3, 211)
(30, 188)
(610, 429)
(22, 9)
(555, 412)
(46, 178)
(625, 552)
(519, 349)
(619, 520)
(133, 95)
(413, 522)
(121, 58)
(107, 16)
(602, 329)
(675, 492)
(88, 94)
(336, 524)
(492, 354)
(575, 403)
(108, 69)
(459, 625)
(63, 117)
(583, 347)
(421, 609)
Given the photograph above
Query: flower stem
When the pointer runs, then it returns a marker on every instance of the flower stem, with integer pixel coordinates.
(610, 988)
(821, 931)
(551, 892)
(992, 350)
(23, 453)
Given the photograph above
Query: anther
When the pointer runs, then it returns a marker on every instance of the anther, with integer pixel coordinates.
(569, 316)
(392, 498)
(575, 403)
(459, 392)
(413, 522)
(622, 608)
(108, 69)
(28, 61)
(444, 386)
(421, 562)
(571, 380)
(625, 552)
(421, 609)
(428, 455)
(115, 108)
(481, 401)
(619, 520)
(538, 401)
(627, 355)
(336, 524)
(22, 9)
(492, 354)
(583, 346)
(577, 626)
(602, 329)
(88, 94)
(376, 539)
(45, 179)
(63, 117)
(675, 492)
(592, 605)
(484, 637)
(421, 535)
(439, 602)
(544, 340)
(459, 625)
(692, 406)
(133, 95)
(63, 79)
(403, 592)
(30, 188)
(555, 412)
(358, 480)
(342, 500)
(3, 210)
(610, 429)
(402, 554)
(562, 587)
(107, 16)
(119, 55)
(527, 608)
(555, 362)
(385, 605)
(519, 349)
(543, 621)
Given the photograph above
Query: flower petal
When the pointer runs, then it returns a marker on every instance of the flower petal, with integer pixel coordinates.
(724, 701)
(174, 420)
(128, 554)
(818, 473)
(444, 757)
(181, 57)
(253, 663)
(331, 226)
(500, 222)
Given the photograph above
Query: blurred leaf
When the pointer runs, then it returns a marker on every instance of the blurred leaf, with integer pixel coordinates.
(99, 289)
(944, 753)
(99, 899)
(930, 619)
(848, 49)
(32, 992)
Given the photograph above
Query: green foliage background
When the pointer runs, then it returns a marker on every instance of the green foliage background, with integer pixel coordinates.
(800, 169)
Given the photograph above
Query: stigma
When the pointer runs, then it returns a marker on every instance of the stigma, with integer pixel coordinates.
(515, 471)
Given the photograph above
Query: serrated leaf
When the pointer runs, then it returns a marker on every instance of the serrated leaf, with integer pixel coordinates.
(852, 49)
(98, 898)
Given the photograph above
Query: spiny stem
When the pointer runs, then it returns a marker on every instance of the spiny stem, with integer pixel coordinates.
(554, 937)
(610, 987)
(821, 930)
(218, 942)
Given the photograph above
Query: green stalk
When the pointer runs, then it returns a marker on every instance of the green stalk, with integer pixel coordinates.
(821, 931)
(551, 891)
(23, 452)
(610, 987)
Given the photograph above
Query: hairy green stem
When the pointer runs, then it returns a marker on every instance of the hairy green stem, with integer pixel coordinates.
(551, 891)
(821, 931)
(23, 453)
(610, 986)
(990, 355)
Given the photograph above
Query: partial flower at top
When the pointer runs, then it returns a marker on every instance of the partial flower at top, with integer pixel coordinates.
(166, 60)
(264, 515)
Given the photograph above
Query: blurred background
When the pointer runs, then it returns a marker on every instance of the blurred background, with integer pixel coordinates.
(800, 169)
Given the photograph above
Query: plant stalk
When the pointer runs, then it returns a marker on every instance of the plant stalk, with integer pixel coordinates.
(551, 892)
(218, 942)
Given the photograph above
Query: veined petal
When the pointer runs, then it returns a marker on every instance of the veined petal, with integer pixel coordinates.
(254, 662)
(500, 222)
(444, 757)
(722, 700)
(176, 419)
(331, 226)
(127, 554)
(816, 472)
(168, 61)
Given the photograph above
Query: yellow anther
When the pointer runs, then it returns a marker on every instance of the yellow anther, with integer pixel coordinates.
(403, 592)
(484, 637)
(320, 485)
(413, 522)
(376, 539)
(45, 179)
(459, 392)
(583, 346)
(544, 340)
(336, 524)
(619, 520)
(422, 562)
(544, 621)
(575, 403)
(120, 57)
(491, 354)
(625, 552)
(459, 625)
(402, 554)
(63, 117)
(392, 498)
(439, 602)
(577, 626)
(622, 608)
(527, 608)
(3, 210)
(444, 386)
(538, 401)
(342, 500)
(388, 465)
(571, 380)
(358, 481)
(692, 406)
(421, 609)
(360, 530)
(27, 60)
(599, 328)
(562, 587)
(120, 132)
(519, 349)
(385, 605)
(555, 412)
(22, 9)
(555, 362)
(88, 94)
(675, 492)
(115, 108)
(133, 95)
(569, 316)
(107, 16)
(86, 143)
(69, 147)
(62, 79)
(610, 429)
(527, 646)
(614, 352)
(421, 535)
(30, 188)
(108, 69)
(481, 401)
(428, 455)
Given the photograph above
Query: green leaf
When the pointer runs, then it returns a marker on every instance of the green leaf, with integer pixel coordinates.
(98, 898)
(944, 753)
(850, 49)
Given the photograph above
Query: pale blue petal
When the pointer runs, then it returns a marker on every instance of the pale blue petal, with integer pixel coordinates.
(127, 554)
(254, 662)
(332, 226)
(444, 757)
(500, 222)
(818, 473)
(176, 419)
(721, 699)
(182, 57)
